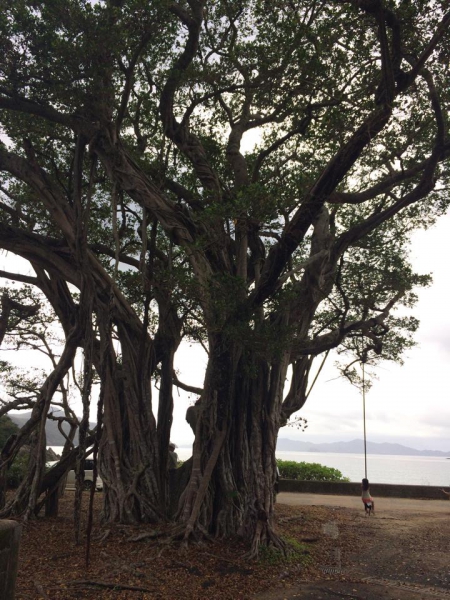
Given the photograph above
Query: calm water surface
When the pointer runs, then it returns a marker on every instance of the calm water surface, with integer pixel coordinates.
(408, 470)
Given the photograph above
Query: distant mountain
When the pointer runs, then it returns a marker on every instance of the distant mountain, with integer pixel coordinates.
(54, 438)
(354, 447)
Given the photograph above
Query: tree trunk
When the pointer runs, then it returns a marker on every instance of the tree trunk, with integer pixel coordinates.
(128, 458)
(52, 504)
(167, 341)
(231, 490)
(26, 497)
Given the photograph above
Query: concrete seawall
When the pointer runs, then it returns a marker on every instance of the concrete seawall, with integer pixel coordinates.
(379, 490)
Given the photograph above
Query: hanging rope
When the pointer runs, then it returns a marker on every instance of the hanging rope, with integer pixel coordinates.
(317, 374)
(115, 231)
(364, 417)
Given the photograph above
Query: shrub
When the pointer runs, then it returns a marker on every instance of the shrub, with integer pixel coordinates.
(303, 471)
(17, 471)
(7, 428)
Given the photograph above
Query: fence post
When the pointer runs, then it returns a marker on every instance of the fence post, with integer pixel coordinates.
(9, 557)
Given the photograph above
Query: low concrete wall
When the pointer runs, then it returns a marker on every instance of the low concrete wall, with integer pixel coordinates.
(9, 556)
(385, 490)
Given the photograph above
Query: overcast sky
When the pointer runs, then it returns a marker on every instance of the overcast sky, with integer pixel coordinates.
(408, 404)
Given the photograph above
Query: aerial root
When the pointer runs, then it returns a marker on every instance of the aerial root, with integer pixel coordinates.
(267, 538)
(175, 533)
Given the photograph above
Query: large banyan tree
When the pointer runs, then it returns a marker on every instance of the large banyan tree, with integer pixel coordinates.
(244, 173)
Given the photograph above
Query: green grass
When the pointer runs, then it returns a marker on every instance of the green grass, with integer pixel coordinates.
(296, 552)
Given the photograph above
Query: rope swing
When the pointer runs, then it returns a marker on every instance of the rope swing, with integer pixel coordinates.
(364, 417)
(369, 505)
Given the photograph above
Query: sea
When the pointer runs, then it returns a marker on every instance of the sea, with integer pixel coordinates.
(381, 468)
(397, 469)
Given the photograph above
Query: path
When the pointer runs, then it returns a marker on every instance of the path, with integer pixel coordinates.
(400, 554)
(382, 504)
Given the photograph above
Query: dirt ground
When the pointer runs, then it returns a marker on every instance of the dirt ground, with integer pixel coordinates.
(339, 553)
(402, 553)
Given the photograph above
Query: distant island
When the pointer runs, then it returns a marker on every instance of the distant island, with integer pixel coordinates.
(54, 438)
(354, 447)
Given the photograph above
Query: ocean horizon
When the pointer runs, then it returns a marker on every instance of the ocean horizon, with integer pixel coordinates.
(381, 468)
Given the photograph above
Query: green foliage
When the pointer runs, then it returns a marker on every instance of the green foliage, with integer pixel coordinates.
(294, 552)
(308, 77)
(303, 471)
(17, 471)
(18, 468)
(7, 428)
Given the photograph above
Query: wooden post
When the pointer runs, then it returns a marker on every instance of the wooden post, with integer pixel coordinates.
(9, 558)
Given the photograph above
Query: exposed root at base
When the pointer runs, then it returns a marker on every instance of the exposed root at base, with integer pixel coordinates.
(186, 536)
(173, 534)
(106, 584)
(265, 537)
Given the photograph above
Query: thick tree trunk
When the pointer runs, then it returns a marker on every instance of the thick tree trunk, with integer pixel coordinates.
(165, 413)
(231, 490)
(167, 341)
(128, 458)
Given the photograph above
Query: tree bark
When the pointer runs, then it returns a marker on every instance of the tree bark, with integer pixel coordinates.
(231, 489)
(27, 494)
(128, 460)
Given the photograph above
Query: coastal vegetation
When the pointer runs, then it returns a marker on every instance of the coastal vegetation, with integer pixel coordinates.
(7, 428)
(306, 471)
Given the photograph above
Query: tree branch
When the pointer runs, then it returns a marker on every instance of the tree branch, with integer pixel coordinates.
(382, 187)
(18, 277)
(178, 132)
(129, 76)
(311, 206)
(185, 387)
(332, 339)
(15, 103)
(30, 173)
(423, 188)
